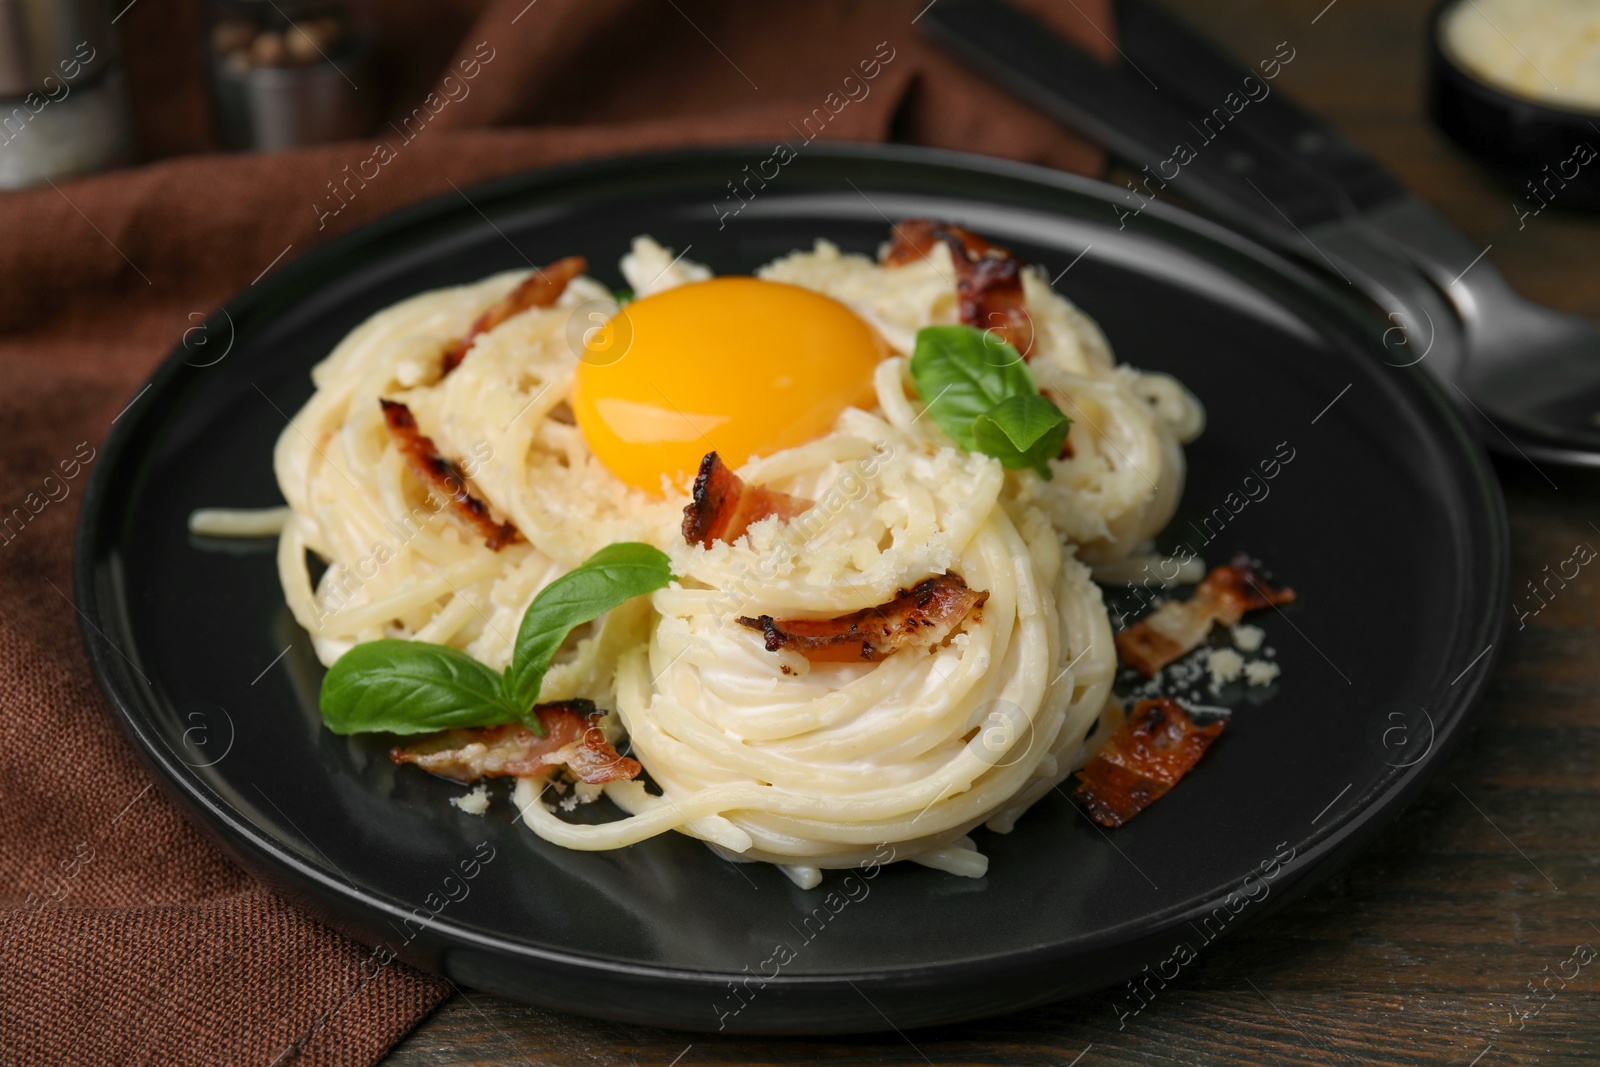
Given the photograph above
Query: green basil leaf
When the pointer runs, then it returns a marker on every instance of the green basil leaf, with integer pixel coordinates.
(1022, 431)
(410, 687)
(961, 372)
(607, 579)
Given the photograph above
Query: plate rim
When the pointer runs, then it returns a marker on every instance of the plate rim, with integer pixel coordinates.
(312, 885)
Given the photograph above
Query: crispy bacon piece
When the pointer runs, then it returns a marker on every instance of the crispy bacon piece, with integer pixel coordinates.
(541, 289)
(1179, 626)
(988, 277)
(572, 738)
(923, 615)
(442, 475)
(723, 505)
(991, 298)
(914, 239)
(1136, 766)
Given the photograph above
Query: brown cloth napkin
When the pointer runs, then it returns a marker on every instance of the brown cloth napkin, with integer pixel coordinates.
(127, 938)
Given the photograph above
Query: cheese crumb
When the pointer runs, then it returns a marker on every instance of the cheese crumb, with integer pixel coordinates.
(1260, 672)
(1248, 638)
(1225, 666)
(473, 803)
(582, 793)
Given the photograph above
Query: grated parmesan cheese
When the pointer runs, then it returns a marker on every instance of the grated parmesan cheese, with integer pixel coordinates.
(473, 803)
(1247, 638)
(1547, 50)
(1225, 665)
(582, 793)
(1260, 672)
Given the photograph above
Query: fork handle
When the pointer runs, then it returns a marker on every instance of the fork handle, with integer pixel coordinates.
(1121, 109)
(1187, 65)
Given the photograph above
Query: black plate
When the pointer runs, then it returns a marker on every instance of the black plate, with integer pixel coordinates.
(1386, 520)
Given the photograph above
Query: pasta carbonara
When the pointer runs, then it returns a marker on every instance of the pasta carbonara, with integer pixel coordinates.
(764, 752)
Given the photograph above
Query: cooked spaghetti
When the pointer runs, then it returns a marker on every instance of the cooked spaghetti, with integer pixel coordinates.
(755, 742)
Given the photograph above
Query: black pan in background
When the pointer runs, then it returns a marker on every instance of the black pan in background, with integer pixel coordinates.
(1386, 520)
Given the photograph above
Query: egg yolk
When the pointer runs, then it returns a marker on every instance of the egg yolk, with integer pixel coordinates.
(738, 366)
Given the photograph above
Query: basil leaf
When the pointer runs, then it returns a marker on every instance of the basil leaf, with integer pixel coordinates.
(607, 579)
(1022, 431)
(408, 687)
(961, 372)
(411, 687)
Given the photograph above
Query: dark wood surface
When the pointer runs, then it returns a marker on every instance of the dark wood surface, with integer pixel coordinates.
(1422, 950)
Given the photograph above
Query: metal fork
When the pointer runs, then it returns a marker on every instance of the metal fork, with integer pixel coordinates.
(1527, 378)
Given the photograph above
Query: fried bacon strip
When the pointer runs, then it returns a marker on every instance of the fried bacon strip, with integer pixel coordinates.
(914, 239)
(1179, 626)
(1136, 766)
(442, 475)
(923, 615)
(723, 505)
(988, 277)
(541, 289)
(572, 738)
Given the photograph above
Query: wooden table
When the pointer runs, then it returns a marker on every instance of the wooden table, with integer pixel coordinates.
(1423, 949)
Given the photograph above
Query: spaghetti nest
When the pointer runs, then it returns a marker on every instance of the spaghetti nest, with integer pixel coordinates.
(761, 753)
